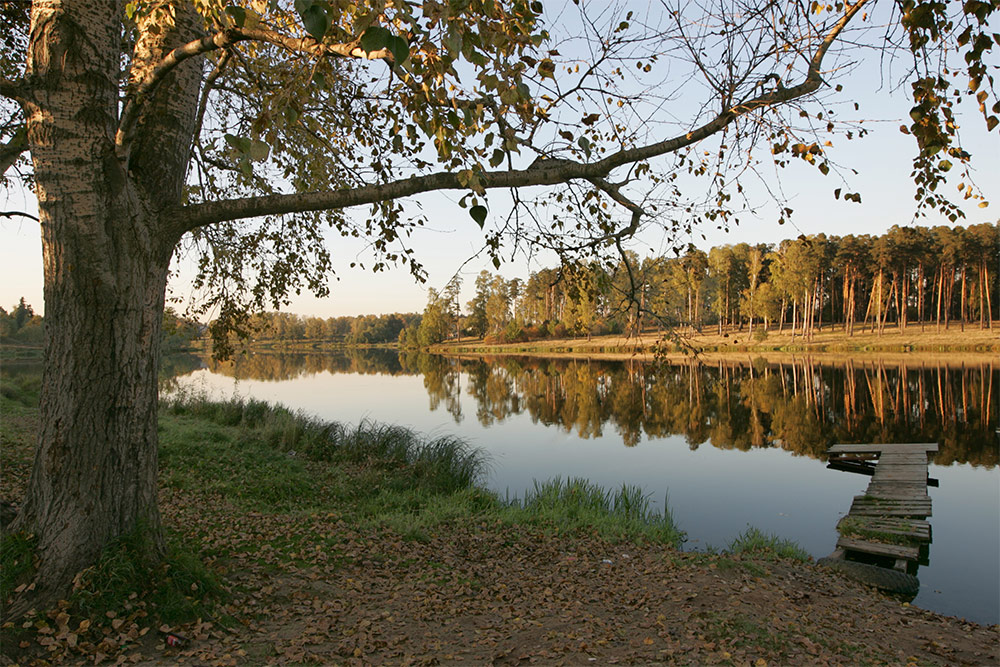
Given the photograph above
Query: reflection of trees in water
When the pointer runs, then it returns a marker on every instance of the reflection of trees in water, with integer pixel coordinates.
(174, 366)
(277, 366)
(799, 405)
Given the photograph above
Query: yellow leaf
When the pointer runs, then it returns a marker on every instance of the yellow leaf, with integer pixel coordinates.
(647, 641)
(761, 662)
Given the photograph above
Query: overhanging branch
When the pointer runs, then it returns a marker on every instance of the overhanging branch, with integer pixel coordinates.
(541, 172)
(223, 40)
(10, 151)
(14, 89)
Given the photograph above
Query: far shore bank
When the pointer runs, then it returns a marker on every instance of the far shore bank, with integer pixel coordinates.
(949, 345)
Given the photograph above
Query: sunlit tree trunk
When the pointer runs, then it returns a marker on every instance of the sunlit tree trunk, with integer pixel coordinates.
(962, 301)
(105, 256)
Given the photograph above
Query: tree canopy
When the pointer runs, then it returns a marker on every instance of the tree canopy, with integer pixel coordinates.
(243, 131)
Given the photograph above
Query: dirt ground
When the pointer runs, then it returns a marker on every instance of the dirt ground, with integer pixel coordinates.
(513, 596)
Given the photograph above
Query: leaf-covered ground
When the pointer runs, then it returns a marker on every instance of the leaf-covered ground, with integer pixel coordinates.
(312, 578)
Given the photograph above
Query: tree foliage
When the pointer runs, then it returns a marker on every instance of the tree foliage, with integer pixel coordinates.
(242, 132)
(907, 275)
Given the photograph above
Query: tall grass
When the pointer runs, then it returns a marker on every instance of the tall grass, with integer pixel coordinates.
(409, 482)
(580, 505)
(759, 544)
(443, 464)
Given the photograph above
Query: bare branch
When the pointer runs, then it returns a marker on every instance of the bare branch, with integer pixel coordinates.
(12, 150)
(14, 89)
(223, 40)
(206, 91)
(13, 214)
(541, 172)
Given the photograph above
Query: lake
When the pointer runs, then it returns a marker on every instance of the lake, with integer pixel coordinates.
(729, 444)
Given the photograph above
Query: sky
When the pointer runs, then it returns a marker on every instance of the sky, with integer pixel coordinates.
(450, 243)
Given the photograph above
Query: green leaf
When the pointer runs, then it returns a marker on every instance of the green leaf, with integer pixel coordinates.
(375, 39)
(259, 150)
(399, 48)
(945, 165)
(584, 143)
(315, 20)
(238, 14)
(478, 214)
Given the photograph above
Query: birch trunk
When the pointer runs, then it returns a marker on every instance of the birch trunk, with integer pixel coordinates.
(106, 253)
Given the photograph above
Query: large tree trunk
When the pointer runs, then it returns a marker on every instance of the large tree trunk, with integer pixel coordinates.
(95, 471)
(106, 252)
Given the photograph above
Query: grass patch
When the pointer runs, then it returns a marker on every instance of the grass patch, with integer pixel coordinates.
(17, 564)
(580, 505)
(234, 464)
(852, 527)
(740, 630)
(766, 546)
(176, 590)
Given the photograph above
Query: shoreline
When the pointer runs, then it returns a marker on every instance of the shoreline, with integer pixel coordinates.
(949, 343)
(275, 519)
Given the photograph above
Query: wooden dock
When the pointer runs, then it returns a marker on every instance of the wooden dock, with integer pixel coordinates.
(889, 520)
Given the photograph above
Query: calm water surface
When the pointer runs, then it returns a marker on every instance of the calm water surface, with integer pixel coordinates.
(730, 444)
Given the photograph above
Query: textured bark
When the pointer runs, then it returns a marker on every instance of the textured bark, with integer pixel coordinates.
(105, 257)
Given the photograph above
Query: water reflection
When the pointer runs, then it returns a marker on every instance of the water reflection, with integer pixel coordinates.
(800, 405)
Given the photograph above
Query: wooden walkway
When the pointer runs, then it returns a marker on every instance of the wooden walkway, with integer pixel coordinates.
(889, 519)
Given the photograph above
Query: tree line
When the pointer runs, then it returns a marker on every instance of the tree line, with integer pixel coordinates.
(22, 325)
(272, 327)
(941, 276)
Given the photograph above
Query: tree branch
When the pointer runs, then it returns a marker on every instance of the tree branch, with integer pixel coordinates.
(223, 40)
(10, 151)
(541, 172)
(14, 214)
(14, 89)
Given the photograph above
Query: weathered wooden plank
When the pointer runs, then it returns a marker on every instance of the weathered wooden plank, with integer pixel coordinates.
(884, 448)
(919, 482)
(904, 459)
(879, 548)
(889, 467)
(913, 528)
(912, 487)
(891, 511)
(921, 499)
(894, 503)
(902, 463)
(892, 506)
(890, 494)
